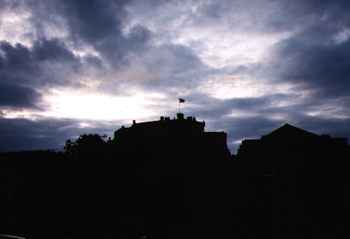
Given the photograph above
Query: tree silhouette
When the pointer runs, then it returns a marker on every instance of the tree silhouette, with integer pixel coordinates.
(87, 145)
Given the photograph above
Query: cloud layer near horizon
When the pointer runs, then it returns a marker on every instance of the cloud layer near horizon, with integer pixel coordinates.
(245, 67)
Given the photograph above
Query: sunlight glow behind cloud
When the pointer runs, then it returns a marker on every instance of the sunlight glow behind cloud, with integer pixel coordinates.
(97, 106)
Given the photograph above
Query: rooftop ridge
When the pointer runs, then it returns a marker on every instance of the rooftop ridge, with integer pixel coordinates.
(291, 128)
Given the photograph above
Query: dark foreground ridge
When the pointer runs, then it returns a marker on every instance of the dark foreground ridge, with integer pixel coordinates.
(172, 179)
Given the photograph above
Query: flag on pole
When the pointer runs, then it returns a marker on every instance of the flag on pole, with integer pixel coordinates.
(181, 100)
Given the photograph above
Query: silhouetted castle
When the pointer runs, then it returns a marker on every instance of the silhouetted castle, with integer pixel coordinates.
(181, 136)
(166, 127)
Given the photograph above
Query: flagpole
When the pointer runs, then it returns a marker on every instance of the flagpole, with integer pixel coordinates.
(180, 101)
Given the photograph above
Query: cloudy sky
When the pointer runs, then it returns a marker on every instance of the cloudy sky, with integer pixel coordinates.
(69, 67)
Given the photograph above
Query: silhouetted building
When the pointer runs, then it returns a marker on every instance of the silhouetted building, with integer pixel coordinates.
(165, 127)
(289, 145)
(304, 176)
(179, 137)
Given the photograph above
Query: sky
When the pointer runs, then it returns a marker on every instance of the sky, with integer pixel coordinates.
(69, 67)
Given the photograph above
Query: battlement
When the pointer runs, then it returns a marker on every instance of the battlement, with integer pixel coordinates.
(164, 127)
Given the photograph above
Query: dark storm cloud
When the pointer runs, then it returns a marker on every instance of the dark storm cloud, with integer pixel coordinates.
(15, 76)
(101, 25)
(27, 65)
(316, 58)
(52, 50)
(323, 67)
(50, 62)
(97, 23)
(18, 96)
(23, 70)
(23, 134)
(93, 20)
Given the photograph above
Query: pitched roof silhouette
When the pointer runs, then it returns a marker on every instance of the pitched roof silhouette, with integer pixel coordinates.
(290, 131)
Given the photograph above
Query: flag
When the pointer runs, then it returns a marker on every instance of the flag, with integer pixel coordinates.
(181, 100)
